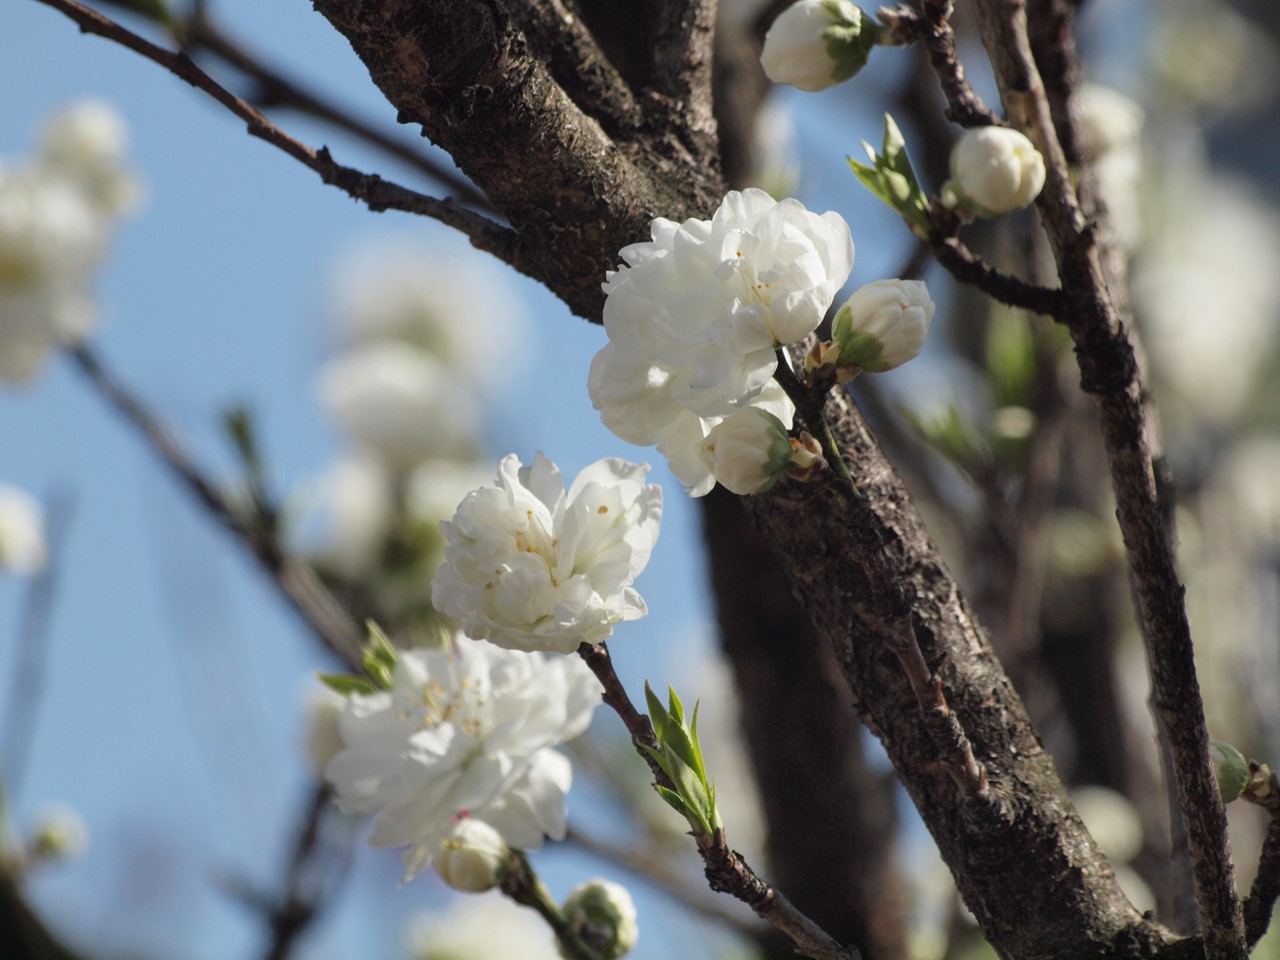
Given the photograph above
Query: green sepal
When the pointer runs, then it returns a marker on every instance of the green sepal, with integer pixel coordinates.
(346, 685)
(379, 656)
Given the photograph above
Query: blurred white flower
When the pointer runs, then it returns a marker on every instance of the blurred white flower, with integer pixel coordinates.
(472, 856)
(815, 44)
(22, 544)
(1111, 819)
(346, 516)
(994, 171)
(747, 452)
(603, 914)
(50, 242)
(480, 928)
(883, 325)
(696, 313)
(1112, 124)
(1207, 293)
(399, 402)
(461, 310)
(773, 137)
(436, 487)
(531, 567)
(87, 143)
(465, 731)
(323, 739)
(59, 833)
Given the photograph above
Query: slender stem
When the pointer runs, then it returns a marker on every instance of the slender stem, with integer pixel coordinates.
(18, 730)
(375, 192)
(327, 618)
(726, 870)
(810, 407)
(525, 887)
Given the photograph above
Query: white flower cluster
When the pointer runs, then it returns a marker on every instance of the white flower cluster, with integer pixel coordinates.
(530, 566)
(463, 732)
(57, 215)
(695, 317)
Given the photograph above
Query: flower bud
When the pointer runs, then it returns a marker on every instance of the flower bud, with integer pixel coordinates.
(472, 856)
(60, 834)
(883, 325)
(994, 171)
(815, 44)
(602, 914)
(747, 452)
(1231, 769)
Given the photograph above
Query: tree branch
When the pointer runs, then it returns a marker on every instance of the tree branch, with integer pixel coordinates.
(726, 870)
(299, 584)
(376, 193)
(1110, 373)
(682, 57)
(967, 267)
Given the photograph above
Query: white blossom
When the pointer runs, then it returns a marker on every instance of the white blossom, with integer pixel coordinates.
(472, 856)
(883, 325)
(467, 731)
(87, 143)
(346, 515)
(50, 242)
(530, 566)
(22, 544)
(994, 170)
(323, 736)
(802, 48)
(701, 308)
(486, 927)
(747, 452)
(399, 402)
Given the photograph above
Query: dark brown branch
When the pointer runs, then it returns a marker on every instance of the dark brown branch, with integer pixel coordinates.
(1263, 790)
(932, 27)
(967, 267)
(1110, 373)
(299, 584)
(376, 193)
(726, 871)
(682, 58)
(18, 730)
(578, 64)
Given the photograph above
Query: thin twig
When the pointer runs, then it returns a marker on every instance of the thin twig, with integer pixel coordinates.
(274, 89)
(967, 267)
(313, 602)
(964, 106)
(375, 192)
(304, 896)
(524, 886)
(33, 648)
(1263, 790)
(726, 870)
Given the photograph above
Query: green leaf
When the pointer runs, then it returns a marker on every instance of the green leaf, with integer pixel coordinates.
(346, 685)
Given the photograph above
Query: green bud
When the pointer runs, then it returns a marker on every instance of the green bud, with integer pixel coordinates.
(1231, 769)
(603, 915)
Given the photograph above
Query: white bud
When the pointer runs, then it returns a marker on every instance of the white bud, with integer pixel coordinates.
(22, 546)
(60, 834)
(883, 325)
(747, 452)
(602, 914)
(472, 856)
(994, 170)
(815, 44)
